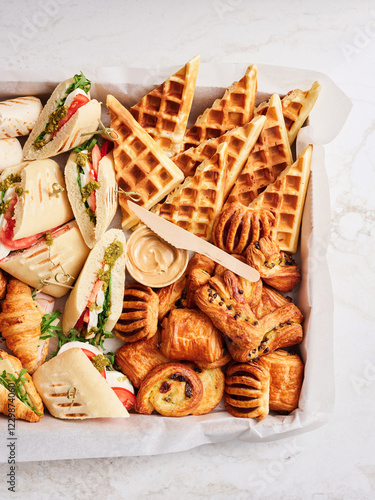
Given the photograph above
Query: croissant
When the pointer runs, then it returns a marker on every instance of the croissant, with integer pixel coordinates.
(188, 334)
(137, 359)
(171, 297)
(139, 317)
(20, 323)
(237, 226)
(10, 403)
(198, 272)
(247, 387)
(277, 268)
(172, 389)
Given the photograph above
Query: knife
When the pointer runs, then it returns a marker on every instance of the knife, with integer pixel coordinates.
(180, 238)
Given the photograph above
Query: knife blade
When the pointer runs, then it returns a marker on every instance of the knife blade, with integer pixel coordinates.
(180, 238)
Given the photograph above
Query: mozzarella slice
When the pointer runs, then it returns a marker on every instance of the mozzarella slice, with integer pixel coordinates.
(81, 345)
(118, 379)
(4, 251)
(72, 95)
(100, 298)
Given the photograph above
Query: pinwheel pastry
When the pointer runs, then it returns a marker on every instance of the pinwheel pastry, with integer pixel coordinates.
(247, 387)
(20, 325)
(222, 299)
(286, 371)
(139, 317)
(277, 268)
(172, 389)
(237, 226)
(213, 381)
(171, 297)
(280, 328)
(198, 272)
(188, 334)
(252, 291)
(137, 359)
(18, 396)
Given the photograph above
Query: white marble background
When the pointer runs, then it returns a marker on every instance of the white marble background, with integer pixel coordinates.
(336, 461)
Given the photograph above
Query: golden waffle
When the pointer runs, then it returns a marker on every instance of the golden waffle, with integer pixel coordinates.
(164, 112)
(285, 199)
(196, 203)
(141, 165)
(296, 105)
(270, 156)
(240, 142)
(234, 109)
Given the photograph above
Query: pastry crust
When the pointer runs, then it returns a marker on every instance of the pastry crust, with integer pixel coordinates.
(3, 285)
(237, 226)
(137, 359)
(277, 268)
(20, 322)
(172, 389)
(7, 399)
(213, 381)
(271, 299)
(247, 388)
(171, 297)
(222, 299)
(139, 317)
(188, 334)
(200, 269)
(286, 370)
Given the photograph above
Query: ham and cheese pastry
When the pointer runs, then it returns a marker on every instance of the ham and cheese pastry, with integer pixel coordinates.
(72, 388)
(188, 334)
(171, 389)
(92, 188)
(67, 120)
(18, 396)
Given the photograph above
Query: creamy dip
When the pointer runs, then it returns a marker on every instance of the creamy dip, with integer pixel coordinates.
(152, 261)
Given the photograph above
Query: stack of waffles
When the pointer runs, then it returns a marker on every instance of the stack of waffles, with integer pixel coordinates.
(234, 153)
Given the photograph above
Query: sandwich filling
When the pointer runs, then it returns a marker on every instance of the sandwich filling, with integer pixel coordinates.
(76, 96)
(98, 309)
(87, 161)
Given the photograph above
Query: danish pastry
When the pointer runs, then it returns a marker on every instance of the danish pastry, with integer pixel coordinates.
(172, 389)
(171, 297)
(247, 387)
(139, 317)
(136, 359)
(213, 381)
(286, 370)
(198, 272)
(277, 268)
(188, 334)
(270, 300)
(237, 226)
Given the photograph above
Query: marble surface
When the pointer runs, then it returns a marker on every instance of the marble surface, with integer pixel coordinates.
(336, 461)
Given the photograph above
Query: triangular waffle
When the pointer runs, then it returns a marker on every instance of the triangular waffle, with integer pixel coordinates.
(234, 109)
(195, 204)
(296, 106)
(270, 155)
(285, 199)
(141, 165)
(164, 112)
(240, 142)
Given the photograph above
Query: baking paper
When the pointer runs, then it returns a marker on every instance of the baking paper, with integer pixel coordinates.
(53, 439)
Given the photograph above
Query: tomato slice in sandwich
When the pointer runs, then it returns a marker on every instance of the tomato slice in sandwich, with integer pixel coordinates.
(79, 101)
(126, 397)
(7, 231)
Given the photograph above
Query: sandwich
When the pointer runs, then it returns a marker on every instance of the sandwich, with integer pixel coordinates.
(95, 304)
(33, 201)
(73, 388)
(18, 116)
(92, 188)
(10, 152)
(18, 396)
(66, 121)
(52, 263)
